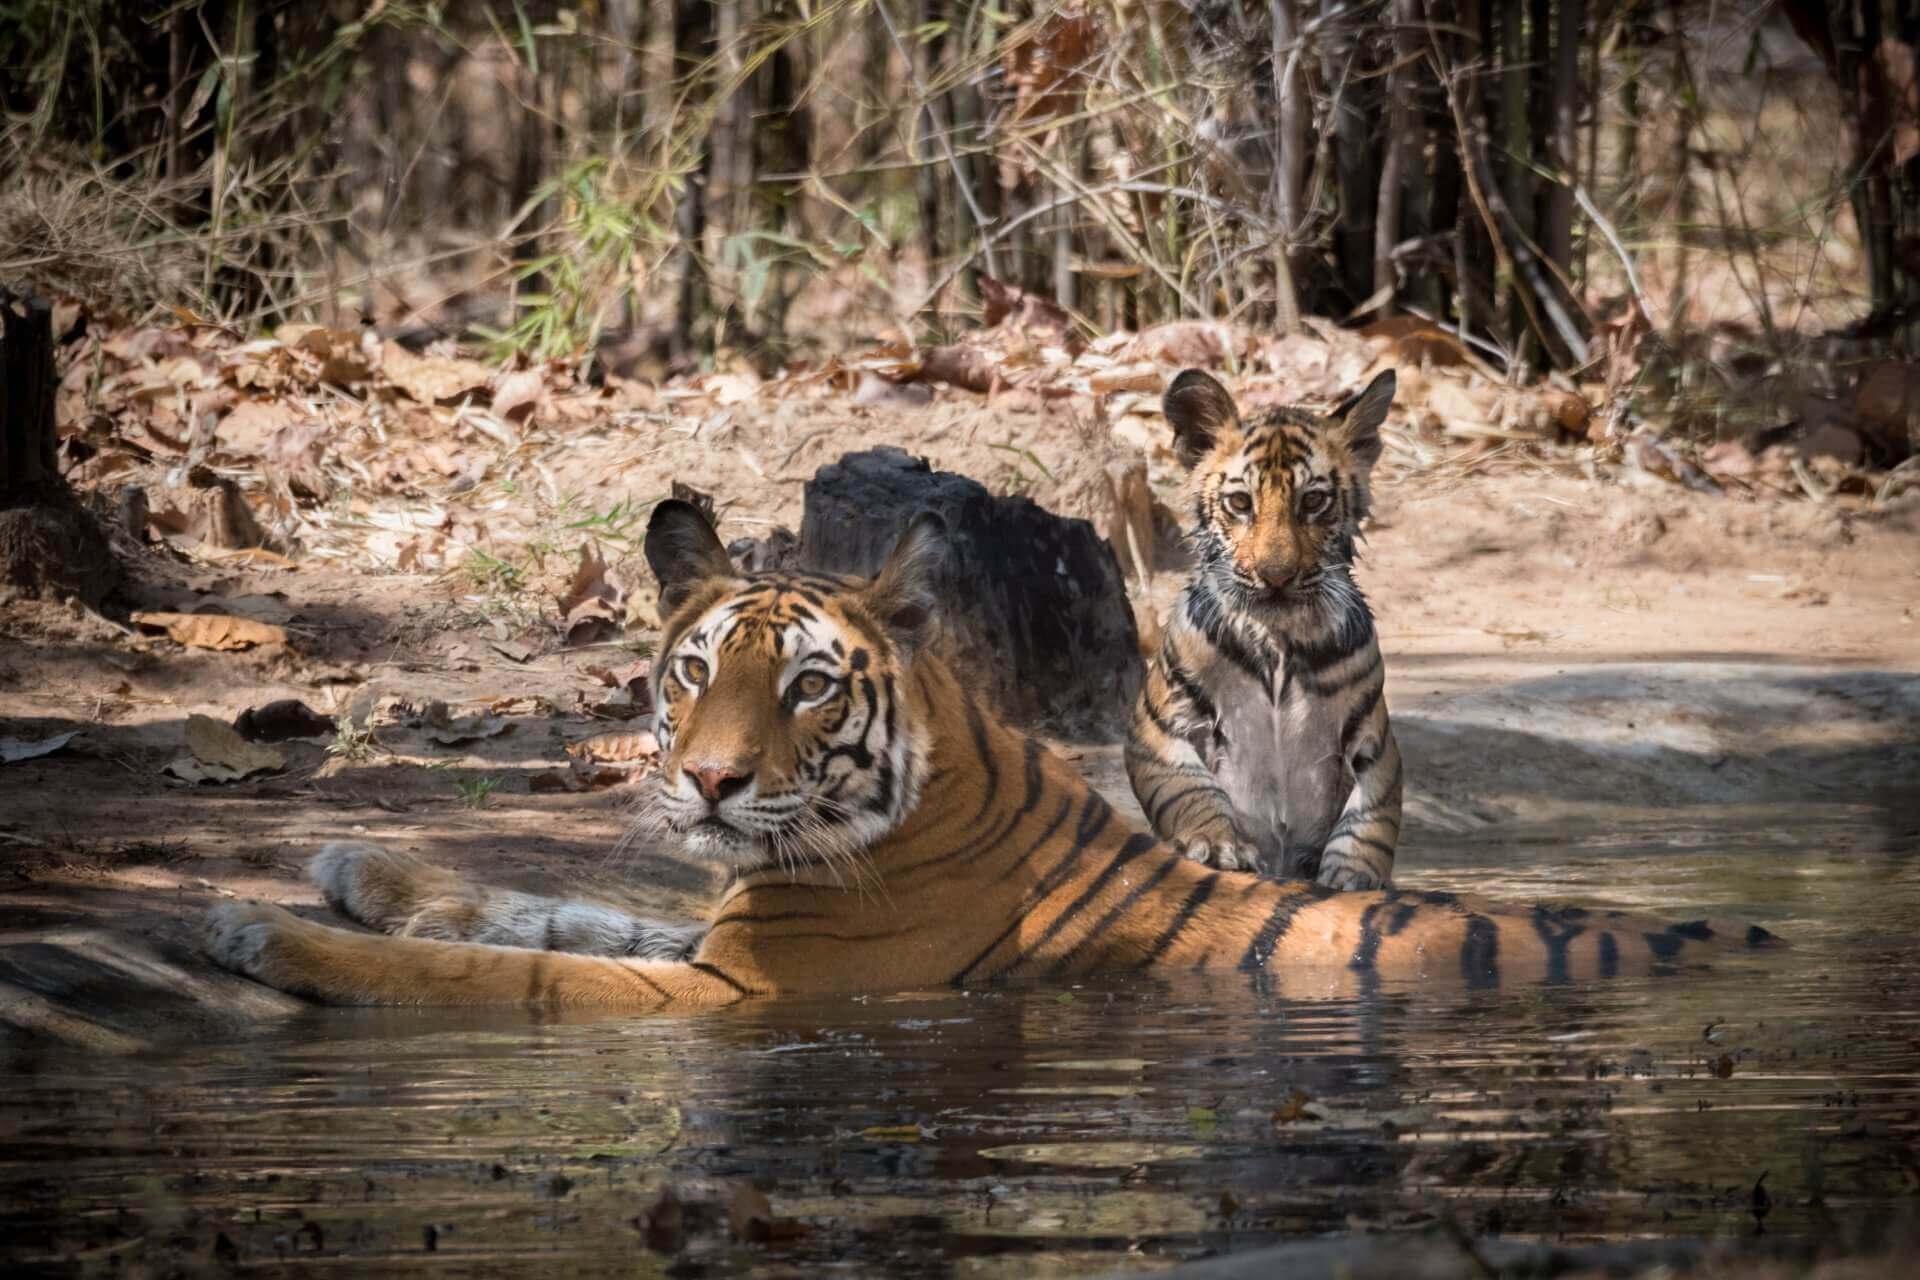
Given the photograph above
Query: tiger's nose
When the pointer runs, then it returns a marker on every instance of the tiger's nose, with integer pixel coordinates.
(1276, 577)
(717, 782)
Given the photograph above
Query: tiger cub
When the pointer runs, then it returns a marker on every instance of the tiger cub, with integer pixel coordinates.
(1260, 740)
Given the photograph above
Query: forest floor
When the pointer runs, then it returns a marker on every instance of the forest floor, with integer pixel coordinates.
(1564, 641)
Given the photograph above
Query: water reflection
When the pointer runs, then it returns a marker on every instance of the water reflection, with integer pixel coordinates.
(1062, 1130)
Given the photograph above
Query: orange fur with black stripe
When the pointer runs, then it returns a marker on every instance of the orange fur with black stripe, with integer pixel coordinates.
(887, 833)
(1260, 740)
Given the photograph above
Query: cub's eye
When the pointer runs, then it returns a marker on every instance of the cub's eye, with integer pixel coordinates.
(1240, 503)
(810, 685)
(1315, 502)
(693, 671)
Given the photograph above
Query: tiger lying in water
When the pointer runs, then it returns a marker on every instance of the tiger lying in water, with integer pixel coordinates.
(886, 833)
(1260, 741)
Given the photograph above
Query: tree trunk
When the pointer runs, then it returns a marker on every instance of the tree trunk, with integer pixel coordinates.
(1293, 115)
(1403, 170)
(1516, 131)
(50, 546)
(1353, 164)
(926, 151)
(1557, 236)
(692, 43)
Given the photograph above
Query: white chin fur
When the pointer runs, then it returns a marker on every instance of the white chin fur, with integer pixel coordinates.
(725, 847)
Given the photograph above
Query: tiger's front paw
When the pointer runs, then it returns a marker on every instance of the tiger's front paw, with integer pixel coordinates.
(1222, 855)
(253, 939)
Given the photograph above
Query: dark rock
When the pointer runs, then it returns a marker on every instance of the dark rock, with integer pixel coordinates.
(778, 550)
(1038, 620)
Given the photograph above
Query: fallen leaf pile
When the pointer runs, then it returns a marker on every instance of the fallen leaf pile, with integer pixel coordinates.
(319, 442)
(241, 443)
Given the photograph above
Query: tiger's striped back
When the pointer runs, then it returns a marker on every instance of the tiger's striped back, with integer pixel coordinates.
(1013, 867)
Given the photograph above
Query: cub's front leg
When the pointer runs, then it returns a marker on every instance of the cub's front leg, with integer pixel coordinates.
(398, 893)
(1359, 852)
(336, 966)
(1184, 803)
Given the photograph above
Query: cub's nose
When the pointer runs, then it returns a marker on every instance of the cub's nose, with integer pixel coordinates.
(1276, 578)
(717, 782)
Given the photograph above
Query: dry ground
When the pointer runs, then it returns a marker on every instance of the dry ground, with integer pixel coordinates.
(1635, 620)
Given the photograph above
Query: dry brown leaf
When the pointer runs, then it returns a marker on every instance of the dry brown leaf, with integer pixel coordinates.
(961, 364)
(1460, 411)
(731, 388)
(449, 730)
(217, 753)
(1014, 311)
(432, 379)
(593, 582)
(874, 391)
(520, 393)
(1138, 376)
(1190, 343)
(617, 748)
(212, 630)
(251, 426)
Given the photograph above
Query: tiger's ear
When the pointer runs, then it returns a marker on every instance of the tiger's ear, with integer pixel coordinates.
(1356, 421)
(683, 551)
(1199, 409)
(905, 594)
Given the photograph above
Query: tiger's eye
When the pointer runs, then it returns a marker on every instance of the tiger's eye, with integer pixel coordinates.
(694, 671)
(1239, 503)
(811, 685)
(1314, 502)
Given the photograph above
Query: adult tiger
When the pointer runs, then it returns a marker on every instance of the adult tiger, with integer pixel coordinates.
(887, 832)
(1260, 739)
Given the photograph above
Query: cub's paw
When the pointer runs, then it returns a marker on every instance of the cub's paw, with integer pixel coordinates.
(372, 885)
(249, 938)
(1350, 878)
(1339, 873)
(1222, 855)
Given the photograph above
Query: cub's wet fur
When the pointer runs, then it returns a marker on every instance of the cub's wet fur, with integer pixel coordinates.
(1260, 740)
(886, 832)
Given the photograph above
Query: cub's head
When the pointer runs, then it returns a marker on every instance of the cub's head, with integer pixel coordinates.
(787, 728)
(1277, 498)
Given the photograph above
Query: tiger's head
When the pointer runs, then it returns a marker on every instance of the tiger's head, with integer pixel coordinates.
(787, 726)
(1277, 498)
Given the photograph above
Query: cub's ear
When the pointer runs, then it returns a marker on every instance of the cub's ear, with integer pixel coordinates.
(1356, 422)
(1199, 409)
(905, 594)
(683, 551)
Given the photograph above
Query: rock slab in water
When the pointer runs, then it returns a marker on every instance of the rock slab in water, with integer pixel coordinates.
(1039, 619)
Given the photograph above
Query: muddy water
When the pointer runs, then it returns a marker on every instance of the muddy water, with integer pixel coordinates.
(1051, 1131)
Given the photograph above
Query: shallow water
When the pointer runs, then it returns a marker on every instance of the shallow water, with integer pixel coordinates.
(1065, 1130)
